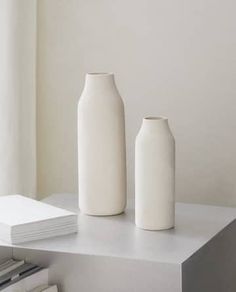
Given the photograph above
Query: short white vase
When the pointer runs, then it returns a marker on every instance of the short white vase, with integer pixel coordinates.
(155, 175)
(101, 147)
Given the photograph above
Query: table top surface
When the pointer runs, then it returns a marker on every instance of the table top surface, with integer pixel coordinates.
(117, 236)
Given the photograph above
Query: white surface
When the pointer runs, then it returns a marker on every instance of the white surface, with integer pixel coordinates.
(23, 219)
(172, 58)
(90, 273)
(101, 147)
(117, 236)
(17, 97)
(155, 175)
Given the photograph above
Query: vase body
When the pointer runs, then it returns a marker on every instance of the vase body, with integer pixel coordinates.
(101, 147)
(155, 175)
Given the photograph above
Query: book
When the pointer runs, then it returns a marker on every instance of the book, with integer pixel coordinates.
(8, 265)
(40, 288)
(51, 289)
(16, 273)
(35, 277)
(23, 219)
(45, 288)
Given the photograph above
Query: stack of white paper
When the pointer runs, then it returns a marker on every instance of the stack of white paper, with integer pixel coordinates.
(23, 219)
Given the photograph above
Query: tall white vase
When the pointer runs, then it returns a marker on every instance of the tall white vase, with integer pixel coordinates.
(155, 175)
(101, 147)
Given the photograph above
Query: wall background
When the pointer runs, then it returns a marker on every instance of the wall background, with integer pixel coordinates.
(18, 26)
(172, 58)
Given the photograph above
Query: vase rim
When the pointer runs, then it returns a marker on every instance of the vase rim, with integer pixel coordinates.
(100, 73)
(157, 118)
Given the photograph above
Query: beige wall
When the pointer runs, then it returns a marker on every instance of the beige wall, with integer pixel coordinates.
(18, 97)
(173, 58)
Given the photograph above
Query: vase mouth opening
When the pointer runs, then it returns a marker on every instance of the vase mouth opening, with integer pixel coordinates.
(100, 74)
(152, 118)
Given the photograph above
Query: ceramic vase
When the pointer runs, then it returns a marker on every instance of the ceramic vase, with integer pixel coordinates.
(101, 147)
(155, 175)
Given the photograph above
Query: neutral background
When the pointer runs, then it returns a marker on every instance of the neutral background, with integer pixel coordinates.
(172, 58)
(18, 97)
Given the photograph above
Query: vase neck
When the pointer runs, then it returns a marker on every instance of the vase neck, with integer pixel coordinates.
(155, 124)
(99, 81)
